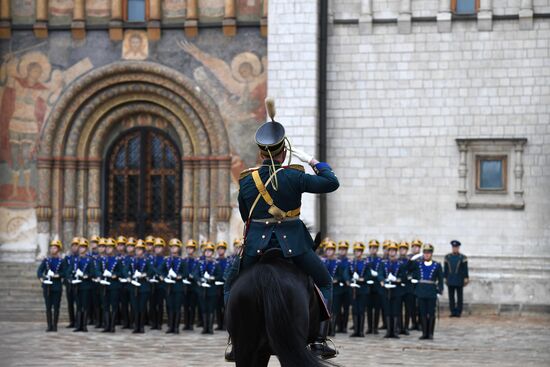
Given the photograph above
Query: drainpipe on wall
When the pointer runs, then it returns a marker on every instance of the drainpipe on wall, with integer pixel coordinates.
(322, 103)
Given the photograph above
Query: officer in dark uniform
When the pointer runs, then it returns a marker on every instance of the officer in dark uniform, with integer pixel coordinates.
(385, 256)
(456, 277)
(126, 313)
(359, 275)
(82, 273)
(50, 273)
(407, 299)
(391, 276)
(191, 288)
(139, 270)
(345, 301)
(110, 271)
(69, 261)
(222, 260)
(174, 273)
(374, 298)
(158, 288)
(208, 274)
(340, 274)
(99, 289)
(95, 299)
(149, 317)
(430, 284)
(416, 247)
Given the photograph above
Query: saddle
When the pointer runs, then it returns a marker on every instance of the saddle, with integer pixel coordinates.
(276, 253)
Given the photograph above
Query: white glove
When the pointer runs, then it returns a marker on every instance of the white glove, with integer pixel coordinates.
(417, 256)
(370, 282)
(50, 273)
(137, 274)
(301, 155)
(218, 283)
(373, 273)
(136, 283)
(206, 275)
(389, 286)
(104, 282)
(123, 280)
(172, 274)
(79, 273)
(205, 285)
(355, 276)
(185, 281)
(107, 273)
(169, 281)
(391, 278)
(153, 280)
(414, 281)
(355, 285)
(76, 281)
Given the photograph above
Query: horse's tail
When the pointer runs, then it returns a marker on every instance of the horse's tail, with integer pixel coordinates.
(285, 338)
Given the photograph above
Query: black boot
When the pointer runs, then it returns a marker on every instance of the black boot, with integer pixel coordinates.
(395, 328)
(142, 317)
(83, 319)
(55, 319)
(332, 326)
(320, 346)
(388, 328)
(355, 333)
(77, 326)
(431, 327)
(424, 325)
(112, 321)
(177, 320)
(362, 325)
(229, 355)
(403, 324)
(49, 320)
(170, 323)
(97, 317)
(136, 323)
(204, 323)
(370, 329)
(211, 323)
(106, 322)
(345, 320)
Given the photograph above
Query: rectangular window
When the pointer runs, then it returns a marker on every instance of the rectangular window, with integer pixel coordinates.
(136, 10)
(491, 173)
(465, 7)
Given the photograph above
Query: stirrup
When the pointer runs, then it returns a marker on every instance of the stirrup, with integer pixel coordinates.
(320, 346)
(229, 357)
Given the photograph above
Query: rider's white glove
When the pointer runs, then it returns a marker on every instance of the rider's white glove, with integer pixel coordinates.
(301, 155)
(417, 256)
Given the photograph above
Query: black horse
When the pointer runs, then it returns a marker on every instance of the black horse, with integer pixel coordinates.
(273, 309)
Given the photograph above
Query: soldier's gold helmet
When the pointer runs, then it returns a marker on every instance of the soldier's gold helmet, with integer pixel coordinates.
(75, 241)
(392, 246)
(417, 242)
(343, 245)
(174, 242)
(386, 243)
(404, 244)
(358, 246)
(56, 243)
(102, 241)
(160, 242)
(95, 238)
(374, 243)
(208, 245)
(131, 241)
(150, 239)
(121, 240)
(83, 242)
(237, 242)
(139, 244)
(428, 247)
(110, 242)
(330, 245)
(191, 243)
(221, 244)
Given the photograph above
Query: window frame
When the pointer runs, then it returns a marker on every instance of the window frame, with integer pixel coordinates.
(454, 4)
(504, 178)
(125, 12)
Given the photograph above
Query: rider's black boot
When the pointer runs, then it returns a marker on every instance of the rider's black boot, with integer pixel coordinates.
(320, 346)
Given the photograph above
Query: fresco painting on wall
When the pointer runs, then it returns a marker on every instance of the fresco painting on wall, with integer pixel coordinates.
(249, 10)
(135, 45)
(240, 98)
(173, 10)
(211, 10)
(61, 12)
(22, 11)
(98, 11)
(28, 89)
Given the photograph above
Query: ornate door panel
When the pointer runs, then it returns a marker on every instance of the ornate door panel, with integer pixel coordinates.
(143, 185)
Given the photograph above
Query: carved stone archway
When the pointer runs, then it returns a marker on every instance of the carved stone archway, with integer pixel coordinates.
(87, 116)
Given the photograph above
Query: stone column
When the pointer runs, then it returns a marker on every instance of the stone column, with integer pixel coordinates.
(44, 209)
(365, 17)
(56, 195)
(81, 198)
(263, 20)
(444, 16)
(78, 25)
(485, 15)
(153, 23)
(69, 200)
(229, 20)
(192, 20)
(526, 15)
(5, 19)
(404, 19)
(463, 175)
(40, 27)
(115, 25)
(223, 204)
(187, 206)
(203, 183)
(93, 213)
(518, 175)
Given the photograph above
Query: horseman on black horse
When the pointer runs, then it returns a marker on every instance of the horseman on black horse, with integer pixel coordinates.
(274, 308)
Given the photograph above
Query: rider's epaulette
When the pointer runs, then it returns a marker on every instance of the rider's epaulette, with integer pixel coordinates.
(246, 172)
(297, 167)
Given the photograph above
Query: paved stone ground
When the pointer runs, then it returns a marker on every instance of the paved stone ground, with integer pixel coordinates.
(470, 341)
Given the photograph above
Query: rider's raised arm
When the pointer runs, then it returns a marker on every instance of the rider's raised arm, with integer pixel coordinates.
(324, 181)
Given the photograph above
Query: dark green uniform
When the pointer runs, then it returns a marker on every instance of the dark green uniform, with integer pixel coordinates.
(139, 294)
(339, 273)
(391, 296)
(174, 291)
(111, 291)
(158, 295)
(430, 284)
(70, 291)
(52, 292)
(191, 294)
(207, 291)
(83, 289)
(359, 268)
(374, 298)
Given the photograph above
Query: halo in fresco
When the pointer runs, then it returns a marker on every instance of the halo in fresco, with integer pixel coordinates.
(39, 58)
(246, 66)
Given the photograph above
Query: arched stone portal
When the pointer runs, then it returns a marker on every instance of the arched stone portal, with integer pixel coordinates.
(102, 105)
